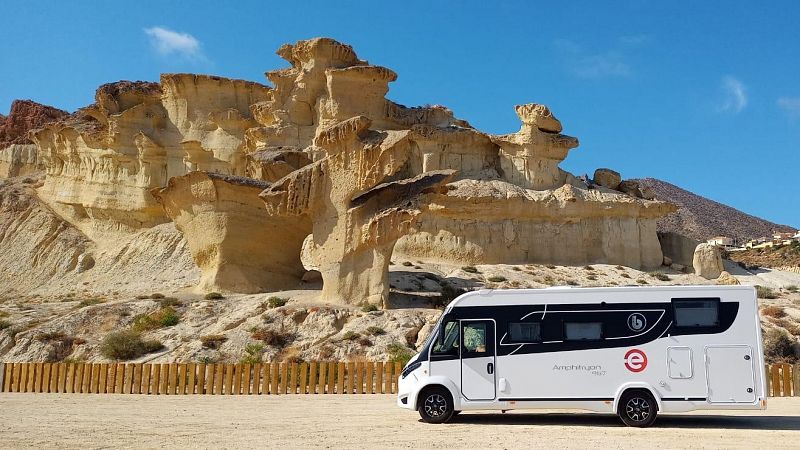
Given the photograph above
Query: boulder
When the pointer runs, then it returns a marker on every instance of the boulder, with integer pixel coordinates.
(607, 178)
(647, 192)
(631, 188)
(667, 261)
(707, 261)
(728, 279)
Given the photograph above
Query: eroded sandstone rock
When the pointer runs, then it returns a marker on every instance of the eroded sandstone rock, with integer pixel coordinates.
(356, 220)
(18, 155)
(607, 178)
(707, 261)
(236, 244)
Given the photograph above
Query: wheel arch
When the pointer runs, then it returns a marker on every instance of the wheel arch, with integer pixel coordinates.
(441, 382)
(636, 386)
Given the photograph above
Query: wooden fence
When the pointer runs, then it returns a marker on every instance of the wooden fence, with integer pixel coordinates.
(783, 380)
(194, 378)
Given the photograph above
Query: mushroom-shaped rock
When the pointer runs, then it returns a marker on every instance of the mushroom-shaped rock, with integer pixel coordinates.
(539, 116)
(236, 244)
(530, 157)
(607, 178)
(356, 221)
(707, 261)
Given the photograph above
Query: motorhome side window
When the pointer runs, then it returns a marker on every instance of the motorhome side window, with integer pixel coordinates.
(524, 332)
(583, 331)
(696, 312)
(448, 340)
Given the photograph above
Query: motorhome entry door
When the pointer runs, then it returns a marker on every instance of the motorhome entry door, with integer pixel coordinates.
(478, 359)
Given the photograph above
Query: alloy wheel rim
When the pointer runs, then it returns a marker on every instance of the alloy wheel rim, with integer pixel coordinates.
(637, 409)
(435, 405)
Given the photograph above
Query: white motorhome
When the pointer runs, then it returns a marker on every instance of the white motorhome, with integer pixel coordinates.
(634, 351)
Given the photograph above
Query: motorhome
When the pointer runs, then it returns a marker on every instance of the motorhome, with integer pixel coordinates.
(633, 351)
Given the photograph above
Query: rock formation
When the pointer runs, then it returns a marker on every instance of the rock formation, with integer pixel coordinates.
(363, 175)
(707, 261)
(236, 244)
(103, 160)
(18, 155)
(356, 220)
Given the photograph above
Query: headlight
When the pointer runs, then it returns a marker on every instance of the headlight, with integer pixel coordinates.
(410, 368)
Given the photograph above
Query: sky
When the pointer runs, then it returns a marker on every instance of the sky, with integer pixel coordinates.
(705, 95)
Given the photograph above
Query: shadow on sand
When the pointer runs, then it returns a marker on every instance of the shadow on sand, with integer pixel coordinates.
(608, 420)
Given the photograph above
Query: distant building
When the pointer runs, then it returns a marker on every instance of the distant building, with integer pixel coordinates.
(722, 241)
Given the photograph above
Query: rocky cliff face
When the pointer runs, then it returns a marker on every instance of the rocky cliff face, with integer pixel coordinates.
(322, 163)
(18, 155)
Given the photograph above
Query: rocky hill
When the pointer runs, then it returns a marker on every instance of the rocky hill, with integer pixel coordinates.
(702, 218)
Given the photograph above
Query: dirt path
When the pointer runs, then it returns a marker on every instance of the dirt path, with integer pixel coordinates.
(130, 421)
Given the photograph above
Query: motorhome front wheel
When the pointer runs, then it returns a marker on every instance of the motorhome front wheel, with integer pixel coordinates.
(436, 405)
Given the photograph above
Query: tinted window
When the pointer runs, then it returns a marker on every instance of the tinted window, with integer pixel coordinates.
(696, 312)
(583, 331)
(448, 341)
(475, 337)
(525, 332)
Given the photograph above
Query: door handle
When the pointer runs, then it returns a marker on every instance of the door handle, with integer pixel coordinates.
(490, 368)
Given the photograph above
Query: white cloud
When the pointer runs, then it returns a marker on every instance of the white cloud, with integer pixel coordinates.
(168, 42)
(790, 104)
(735, 94)
(585, 64)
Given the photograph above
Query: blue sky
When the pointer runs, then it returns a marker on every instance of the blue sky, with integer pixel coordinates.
(705, 95)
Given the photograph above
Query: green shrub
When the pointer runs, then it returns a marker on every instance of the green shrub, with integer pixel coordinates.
(4, 324)
(624, 275)
(169, 301)
(143, 322)
(496, 279)
(213, 341)
(791, 288)
(252, 354)
(127, 344)
(157, 296)
(166, 317)
(550, 266)
(276, 302)
(351, 336)
(89, 302)
(213, 296)
(399, 353)
(765, 292)
(588, 268)
(470, 269)
(659, 276)
(369, 307)
(642, 281)
(376, 331)
(572, 283)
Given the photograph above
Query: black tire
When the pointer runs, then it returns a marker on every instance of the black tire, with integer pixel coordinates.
(435, 405)
(637, 408)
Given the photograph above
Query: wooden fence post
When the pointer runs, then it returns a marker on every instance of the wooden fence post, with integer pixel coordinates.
(284, 377)
(323, 369)
(303, 377)
(340, 380)
(387, 378)
(273, 373)
(312, 378)
(796, 380)
(293, 379)
(397, 369)
(265, 379)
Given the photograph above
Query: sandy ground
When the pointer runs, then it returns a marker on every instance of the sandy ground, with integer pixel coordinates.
(129, 421)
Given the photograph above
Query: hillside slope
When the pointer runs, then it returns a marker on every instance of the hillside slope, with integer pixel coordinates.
(701, 218)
